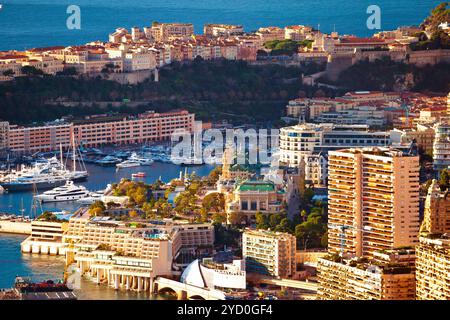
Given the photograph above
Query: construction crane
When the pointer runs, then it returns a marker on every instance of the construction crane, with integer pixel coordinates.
(343, 228)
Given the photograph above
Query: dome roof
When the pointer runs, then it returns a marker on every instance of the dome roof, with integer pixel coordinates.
(193, 275)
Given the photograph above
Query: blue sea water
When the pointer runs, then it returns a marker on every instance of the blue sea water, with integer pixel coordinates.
(37, 23)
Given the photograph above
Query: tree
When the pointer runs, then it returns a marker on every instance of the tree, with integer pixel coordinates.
(214, 202)
(133, 214)
(444, 179)
(31, 71)
(262, 222)
(310, 233)
(8, 73)
(97, 208)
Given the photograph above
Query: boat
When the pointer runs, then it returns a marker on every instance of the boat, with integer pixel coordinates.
(128, 164)
(44, 174)
(91, 198)
(25, 289)
(135, 161)
(67, 192)
(108, 161)
(138, 175)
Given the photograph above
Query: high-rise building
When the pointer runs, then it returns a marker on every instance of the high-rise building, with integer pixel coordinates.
(270, 253)
(433, 268)
(437, 210)
(441, 145)
(448, 104)
(311, 142)
(373, 200)
(389, 275)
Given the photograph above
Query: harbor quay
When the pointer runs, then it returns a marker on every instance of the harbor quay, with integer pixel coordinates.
(15, 225)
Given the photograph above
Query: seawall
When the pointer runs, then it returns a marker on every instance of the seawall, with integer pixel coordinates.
(17, 227)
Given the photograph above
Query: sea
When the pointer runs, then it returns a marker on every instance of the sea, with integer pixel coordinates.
(38, 23)
(40, 267)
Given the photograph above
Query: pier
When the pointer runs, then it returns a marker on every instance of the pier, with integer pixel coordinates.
(15, 226)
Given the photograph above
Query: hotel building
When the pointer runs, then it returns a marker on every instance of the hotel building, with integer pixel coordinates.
(390, 275)
(311, 143)
(433, 268)
(46, 238)
(130, 255)
(373, 200)
(270, 253)
(97, 131)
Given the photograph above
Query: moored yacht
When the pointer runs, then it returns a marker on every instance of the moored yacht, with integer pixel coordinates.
(135, 161)
(108, 161)
(67, 192)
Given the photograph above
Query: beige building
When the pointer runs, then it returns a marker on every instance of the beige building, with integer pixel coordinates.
(373, 200)
(389, 275)
(222, 30)
(423, 136)
(130, 255)
(46, 238)
(437, 210)
(4, 133)
(270, 253)
(433, 268)
(162, 32)
(298, 32)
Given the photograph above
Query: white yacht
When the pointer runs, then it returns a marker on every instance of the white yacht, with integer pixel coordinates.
(135, 161)
(91, 198)
(108, 161)
(67, 192)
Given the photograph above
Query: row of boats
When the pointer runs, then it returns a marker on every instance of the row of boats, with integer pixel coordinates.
(42, 175)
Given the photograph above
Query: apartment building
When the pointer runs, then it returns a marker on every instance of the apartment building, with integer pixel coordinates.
(372, 116)
(4, 133)
(389, 275)
(373, 200)
(222, 30)
(162, 32)
(298, 32)
(441, 145)
(437, 210)
(433, 268)
(41, 138)
(422, 135)
(269, 253)
(270, 34)
(97, 131)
